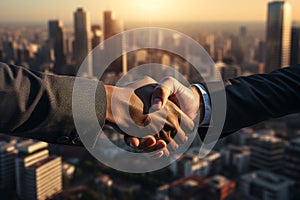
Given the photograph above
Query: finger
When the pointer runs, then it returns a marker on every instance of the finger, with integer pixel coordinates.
(159, 145)
(180, 137)
(185, 121)
(147, 143)
(165, 135)
(173, 146)
(132, 141)
(166, 152)
(160, 97)
(157, 155)
(167, 87)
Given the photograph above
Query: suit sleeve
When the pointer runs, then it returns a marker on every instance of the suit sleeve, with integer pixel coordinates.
(260, 97)
(39, 106)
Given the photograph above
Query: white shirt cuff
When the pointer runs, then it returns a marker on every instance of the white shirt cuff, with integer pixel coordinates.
(206, 103)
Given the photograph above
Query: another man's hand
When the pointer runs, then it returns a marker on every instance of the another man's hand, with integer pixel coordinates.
(169, 89)
(138, 106)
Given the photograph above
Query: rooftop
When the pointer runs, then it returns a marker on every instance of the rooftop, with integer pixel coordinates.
(5, 146)
(267, 179)
(218, 181)
(30, 146)
(296, 142)
(42, 162)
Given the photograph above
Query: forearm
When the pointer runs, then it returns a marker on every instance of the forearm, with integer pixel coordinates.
(39, 106)
(257, 98)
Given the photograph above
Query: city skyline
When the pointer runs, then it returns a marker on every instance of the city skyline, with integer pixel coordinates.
(257, 162)
(150, 10)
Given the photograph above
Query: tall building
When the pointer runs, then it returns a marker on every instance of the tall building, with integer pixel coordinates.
(210, 45)
(44, 178)
(260, 51)
(56, 40)
(278, 36)
(292, 160)
(108, 17)
(295, 45)
(228, 69)
(82, 39)
(243, 32)
(113, 26)
(236, 50)
(97, 35)
(267, 152)
(264, 185)
(7, 165)
(38, 175)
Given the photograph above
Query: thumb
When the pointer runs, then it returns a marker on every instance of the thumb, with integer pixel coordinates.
(160, 97)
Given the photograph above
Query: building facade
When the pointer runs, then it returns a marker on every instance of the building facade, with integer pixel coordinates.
(7, 165)
(82, 40)
(38, 176)
(56, 43)
(278, 36)
(264, 185)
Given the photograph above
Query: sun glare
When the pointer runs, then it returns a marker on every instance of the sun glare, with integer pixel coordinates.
(150, 6)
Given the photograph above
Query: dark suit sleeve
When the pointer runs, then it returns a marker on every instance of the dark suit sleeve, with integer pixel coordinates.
(260, 97)
(39, 106)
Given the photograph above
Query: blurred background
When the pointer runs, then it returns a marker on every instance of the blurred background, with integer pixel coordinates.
(259, 162)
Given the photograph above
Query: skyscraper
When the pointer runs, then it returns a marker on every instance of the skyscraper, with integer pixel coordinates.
(56, 40)
(38, 175)
(82, 40)
(113, 26)
(7, 165)
(243, 32)
(97, 35)
(278, 36)
(108, 17)
(295, 44)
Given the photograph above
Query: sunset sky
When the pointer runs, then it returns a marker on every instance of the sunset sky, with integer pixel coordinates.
(129, 10)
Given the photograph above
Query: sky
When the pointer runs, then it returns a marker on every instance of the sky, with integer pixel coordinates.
(140, 10)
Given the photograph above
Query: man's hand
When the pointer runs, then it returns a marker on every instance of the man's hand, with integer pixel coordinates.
(188, 99)
(169, 89)
(129, 107)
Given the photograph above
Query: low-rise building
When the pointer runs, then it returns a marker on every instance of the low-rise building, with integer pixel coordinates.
(236, 158)
(265, 185)
(190, 164)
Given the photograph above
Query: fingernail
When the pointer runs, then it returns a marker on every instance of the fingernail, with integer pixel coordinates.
(156, 104)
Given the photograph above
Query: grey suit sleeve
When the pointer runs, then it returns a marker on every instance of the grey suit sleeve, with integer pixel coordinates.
(39, 106)
(260, 97)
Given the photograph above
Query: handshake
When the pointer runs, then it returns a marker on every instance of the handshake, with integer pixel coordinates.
(154, 117)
